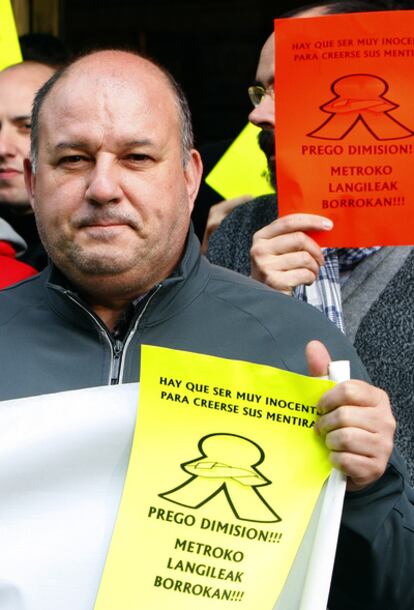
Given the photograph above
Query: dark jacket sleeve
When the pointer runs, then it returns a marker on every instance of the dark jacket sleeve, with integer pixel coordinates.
(374, 566)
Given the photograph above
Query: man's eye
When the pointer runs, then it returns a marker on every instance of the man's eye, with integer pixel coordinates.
(71, 160)
(25, 127)
(137, 157)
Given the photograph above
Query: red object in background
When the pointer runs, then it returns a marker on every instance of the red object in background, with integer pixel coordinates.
(11, 270)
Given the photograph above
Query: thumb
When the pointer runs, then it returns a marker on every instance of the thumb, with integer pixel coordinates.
(318, 358)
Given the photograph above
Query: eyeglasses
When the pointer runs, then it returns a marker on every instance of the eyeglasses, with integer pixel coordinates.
(258, 92)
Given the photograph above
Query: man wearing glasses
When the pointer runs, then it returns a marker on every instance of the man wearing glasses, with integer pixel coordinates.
(366, 292)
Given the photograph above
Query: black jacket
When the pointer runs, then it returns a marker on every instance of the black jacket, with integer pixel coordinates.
(51, 341)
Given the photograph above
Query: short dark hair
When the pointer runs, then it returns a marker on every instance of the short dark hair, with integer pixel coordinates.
(44, 49)
(187, 136)
(338, 7)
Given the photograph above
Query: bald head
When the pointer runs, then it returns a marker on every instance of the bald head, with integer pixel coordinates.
(101, 66)
(111, 194)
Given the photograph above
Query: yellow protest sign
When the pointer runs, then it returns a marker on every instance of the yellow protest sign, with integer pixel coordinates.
(9, 42)
(242, 170)
(224, 473)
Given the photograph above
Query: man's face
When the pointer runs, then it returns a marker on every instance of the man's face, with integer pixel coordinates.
(263, 115)
(111, 196)
(18, 86)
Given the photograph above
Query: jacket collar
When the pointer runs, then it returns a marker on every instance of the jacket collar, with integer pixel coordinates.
(173, 293)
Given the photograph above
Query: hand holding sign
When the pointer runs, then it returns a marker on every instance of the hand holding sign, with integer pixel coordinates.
(357, 424)
(283, 256)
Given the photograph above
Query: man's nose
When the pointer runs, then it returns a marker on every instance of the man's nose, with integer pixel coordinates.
(7, 147)
(103, 183)
(263, 115)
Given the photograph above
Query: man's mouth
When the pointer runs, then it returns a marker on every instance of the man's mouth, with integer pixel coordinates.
(106, 223)
(8, 173)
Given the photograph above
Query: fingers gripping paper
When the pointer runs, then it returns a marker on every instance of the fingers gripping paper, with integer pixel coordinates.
(224, 474)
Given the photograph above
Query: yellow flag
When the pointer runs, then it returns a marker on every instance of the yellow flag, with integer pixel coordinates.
(224, 474)
(242, 170)
(9, 42)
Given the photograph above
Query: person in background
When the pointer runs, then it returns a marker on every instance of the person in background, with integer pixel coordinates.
(368, 292)
(42, 55)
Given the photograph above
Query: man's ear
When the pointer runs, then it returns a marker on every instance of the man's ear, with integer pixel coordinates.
(29, 179)
(193, 172)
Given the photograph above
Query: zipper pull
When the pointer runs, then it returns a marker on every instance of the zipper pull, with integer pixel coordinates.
(116, 361)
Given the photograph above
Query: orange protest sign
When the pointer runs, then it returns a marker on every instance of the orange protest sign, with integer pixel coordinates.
(345, 126)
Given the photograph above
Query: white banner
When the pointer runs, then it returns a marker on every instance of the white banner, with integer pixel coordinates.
(63, 461)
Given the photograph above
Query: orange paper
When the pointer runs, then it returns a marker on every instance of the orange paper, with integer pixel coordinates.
(345, 124)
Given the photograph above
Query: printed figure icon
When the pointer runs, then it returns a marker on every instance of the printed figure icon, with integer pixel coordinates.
(360, 97)
(228, 465)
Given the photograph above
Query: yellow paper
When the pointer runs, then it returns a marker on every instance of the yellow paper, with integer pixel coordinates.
(9, 43)
(224, 473)
(242, 170)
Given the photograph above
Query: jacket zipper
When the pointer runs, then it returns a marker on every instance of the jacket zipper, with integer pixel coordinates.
(117, 347)
(102, 329)
(133, 331)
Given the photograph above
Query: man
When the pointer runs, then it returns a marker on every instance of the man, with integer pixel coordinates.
(368, 291)
(112, 181)
(18, 85)
(42, 53)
